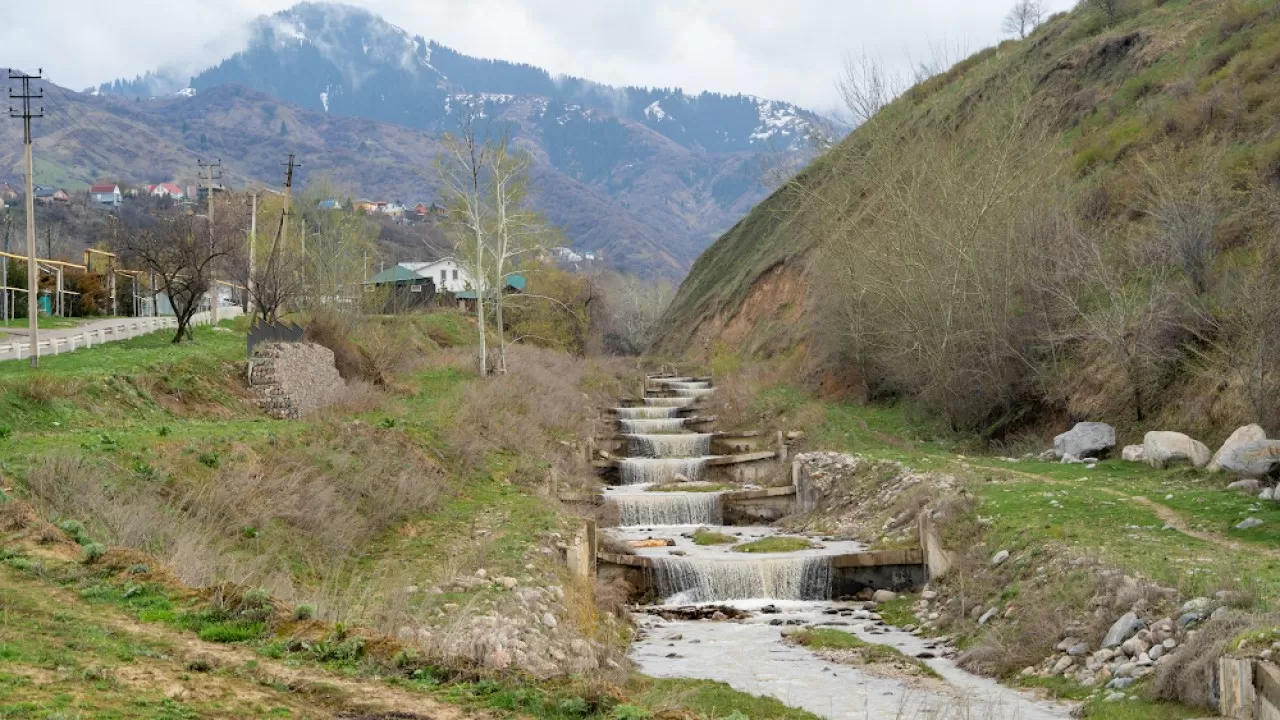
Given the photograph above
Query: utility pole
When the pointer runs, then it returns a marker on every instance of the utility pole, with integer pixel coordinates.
(253, 238)
(209, 167)
(33, 275)
(5, 308)
(288, 196)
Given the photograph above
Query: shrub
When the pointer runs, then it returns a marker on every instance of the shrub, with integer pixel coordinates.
(630, 712)
(209, 459)
(93, 551)
(304, 612)
(231, 631)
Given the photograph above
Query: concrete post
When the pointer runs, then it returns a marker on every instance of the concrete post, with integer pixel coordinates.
(581, 553)
(782, 448)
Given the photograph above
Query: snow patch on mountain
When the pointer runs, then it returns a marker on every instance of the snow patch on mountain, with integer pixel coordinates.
(655, 111)
(779, 119)
(186, 92)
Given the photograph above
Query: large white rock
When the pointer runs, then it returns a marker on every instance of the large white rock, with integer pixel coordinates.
(1242, 436)
(1086, 439)
(1255, 459)
(1163, 447)
(1133, 453)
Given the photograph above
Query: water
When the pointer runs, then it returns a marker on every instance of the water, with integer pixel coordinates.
(648, 412)
(647, 509)
(750, 656)
(693, 392)
(657, 471)
(647, 426)
(684, 580)
(686, 445)
(690, 385)
(668, 402)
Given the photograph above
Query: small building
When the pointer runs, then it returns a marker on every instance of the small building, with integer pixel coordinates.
(394, 209)
(166, 190)
(448, 274)
(204, 188)
(106, 194)
(365, 206)
(48, 195)
(7, 193)
(404, 289)
(329, 204)
(467, 299)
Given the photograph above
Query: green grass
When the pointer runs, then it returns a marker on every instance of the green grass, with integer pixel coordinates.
(774, 545)
(47, 322)
(897, 612)
(870, 653)
(712, 700)
(707, 537)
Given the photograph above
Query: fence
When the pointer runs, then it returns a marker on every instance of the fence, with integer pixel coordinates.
(104, 333)
(1248, 689)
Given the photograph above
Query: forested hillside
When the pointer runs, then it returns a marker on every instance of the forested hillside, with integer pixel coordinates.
(1079, 224)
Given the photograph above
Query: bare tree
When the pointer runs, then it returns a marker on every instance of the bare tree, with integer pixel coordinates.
(461, 169)
(182, 252)
(866, 87)
(517, 231)
(1025, 16)
(274, 278)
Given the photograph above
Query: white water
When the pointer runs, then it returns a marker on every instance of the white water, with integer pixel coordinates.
(676, 402)
(693, 392)
(684, 445)
(670, 381)
(648, 426)
(750, 656)
(648, 412)
(656, 471)
(647, 509)
(685, 580)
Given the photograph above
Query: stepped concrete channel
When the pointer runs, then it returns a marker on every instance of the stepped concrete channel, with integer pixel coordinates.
(665, 440)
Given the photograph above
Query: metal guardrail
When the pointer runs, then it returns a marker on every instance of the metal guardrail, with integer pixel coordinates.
(121, 330)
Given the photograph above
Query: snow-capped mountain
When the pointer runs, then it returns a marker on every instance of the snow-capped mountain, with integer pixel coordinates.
(681, 162)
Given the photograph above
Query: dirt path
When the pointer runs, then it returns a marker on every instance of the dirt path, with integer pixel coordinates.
(1170, 516)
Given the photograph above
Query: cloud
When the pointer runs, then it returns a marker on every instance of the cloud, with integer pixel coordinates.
(790, 51)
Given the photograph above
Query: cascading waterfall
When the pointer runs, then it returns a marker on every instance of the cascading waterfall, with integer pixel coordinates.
(648, 412)
(691, 385)
(684, 580)
(659, 508)
(656, 471)
(675, 402)
(651, 426)
(684, 445)
(693, 392)
(670, 381)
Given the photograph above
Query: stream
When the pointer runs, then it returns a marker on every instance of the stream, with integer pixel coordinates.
(783, 591)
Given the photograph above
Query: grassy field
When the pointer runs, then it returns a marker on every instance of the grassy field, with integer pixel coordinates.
(144, 416)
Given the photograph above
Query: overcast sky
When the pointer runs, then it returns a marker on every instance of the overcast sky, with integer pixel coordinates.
(782, 49)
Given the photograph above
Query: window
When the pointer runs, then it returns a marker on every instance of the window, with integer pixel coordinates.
(444, 275)
(455, 274)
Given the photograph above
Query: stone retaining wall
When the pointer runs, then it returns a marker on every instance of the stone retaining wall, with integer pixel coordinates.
(293, 380)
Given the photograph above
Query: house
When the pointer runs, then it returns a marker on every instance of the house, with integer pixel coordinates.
(404, 289)
(449, 275)
(365, 206)
(203, 192)
(467, 299)
(329, 205)
(7, 193)
(166, 190)
(394, 209)
(47, 195)
(106, 194)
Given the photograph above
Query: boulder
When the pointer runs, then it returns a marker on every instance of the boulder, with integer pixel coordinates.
(1086, 439)
(1249, 485)
(881, 596)
(1133, 453)
(1255, 459)
(1126, 627)
(1164, 447)
(1242, 436)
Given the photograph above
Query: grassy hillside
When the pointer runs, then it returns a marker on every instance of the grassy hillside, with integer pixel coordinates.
(1076, 224)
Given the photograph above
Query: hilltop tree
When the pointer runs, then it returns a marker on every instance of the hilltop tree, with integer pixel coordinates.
(1025, 16)
(517, 230)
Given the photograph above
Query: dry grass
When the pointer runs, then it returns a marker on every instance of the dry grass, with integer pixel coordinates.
(531, 415)
(305, 508)
(1188, 676)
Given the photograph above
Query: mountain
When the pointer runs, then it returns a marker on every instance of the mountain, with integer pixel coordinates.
(1082, 225)
(676, 169)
